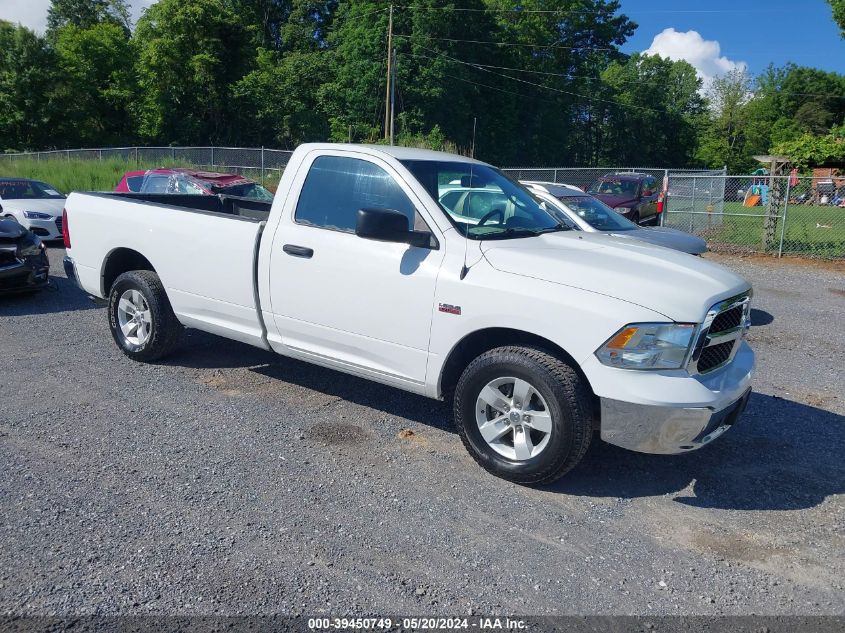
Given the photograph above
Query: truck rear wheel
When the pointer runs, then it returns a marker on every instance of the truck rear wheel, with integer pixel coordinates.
(140, 317)
(523, 414)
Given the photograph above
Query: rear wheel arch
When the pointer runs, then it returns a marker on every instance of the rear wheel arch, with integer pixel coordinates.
(119, 261)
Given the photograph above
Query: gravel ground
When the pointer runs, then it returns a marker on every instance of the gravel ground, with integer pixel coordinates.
(231, 481)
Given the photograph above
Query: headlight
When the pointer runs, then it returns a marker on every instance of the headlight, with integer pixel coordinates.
(648, 346)
(37, 215)
(622, 210)
(29, 247)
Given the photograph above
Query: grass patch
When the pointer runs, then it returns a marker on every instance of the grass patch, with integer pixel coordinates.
(101, 175)
(810, 229)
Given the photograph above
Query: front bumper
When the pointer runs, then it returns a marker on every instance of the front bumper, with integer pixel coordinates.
(45, 229)
(29, 274)
(665, 430)
(671, 412)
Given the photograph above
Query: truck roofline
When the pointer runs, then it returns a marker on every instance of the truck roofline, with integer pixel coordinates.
(393, 151)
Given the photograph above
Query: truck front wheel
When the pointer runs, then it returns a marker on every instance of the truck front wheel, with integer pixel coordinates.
(140, 317)
(523, 414)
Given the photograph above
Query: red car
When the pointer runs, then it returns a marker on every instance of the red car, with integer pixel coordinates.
(633, 195)
(190, 181)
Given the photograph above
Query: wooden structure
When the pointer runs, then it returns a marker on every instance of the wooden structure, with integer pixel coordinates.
(777, 166)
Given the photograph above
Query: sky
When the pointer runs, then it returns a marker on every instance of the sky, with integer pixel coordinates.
(714, 36)
(33, 13)
(719, 35)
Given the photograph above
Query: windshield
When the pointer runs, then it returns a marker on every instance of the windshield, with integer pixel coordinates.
(482, 202)
(11, 189)
(614, 187)
(247, 190)
(597, 214)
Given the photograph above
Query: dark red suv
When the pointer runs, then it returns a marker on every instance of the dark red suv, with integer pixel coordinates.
(633, 195)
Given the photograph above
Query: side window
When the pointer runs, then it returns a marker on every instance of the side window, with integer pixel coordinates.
(337, 187)
(133, 183)
(649, 185)
(184, 185)
(155, 184)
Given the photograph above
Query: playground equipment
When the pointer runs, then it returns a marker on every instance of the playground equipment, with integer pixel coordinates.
(758, 192)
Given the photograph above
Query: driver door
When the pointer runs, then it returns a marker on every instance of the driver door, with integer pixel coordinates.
(341, 300)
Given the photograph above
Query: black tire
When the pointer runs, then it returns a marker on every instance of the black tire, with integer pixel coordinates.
(165, 329)
(635, 217)
(569, 401)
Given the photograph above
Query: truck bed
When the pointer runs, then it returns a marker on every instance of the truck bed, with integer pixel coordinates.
(204, 249)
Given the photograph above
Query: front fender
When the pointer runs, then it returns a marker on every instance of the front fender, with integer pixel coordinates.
(575, 320)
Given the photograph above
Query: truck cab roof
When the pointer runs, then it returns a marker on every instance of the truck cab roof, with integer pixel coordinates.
(394, 151)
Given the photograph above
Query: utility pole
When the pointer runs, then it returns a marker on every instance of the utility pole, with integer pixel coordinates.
(472, 151)
(387, 100)
(392, 95)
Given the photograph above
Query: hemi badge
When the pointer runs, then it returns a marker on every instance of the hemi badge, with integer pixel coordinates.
(449, 309)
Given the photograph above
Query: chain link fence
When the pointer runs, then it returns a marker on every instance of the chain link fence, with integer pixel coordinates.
(260, 163)
(761, 214)
(738, 214)
(583, 177)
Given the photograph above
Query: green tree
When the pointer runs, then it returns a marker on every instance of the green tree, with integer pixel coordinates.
(189, 54)
(86, 13)
(520, 73)
(808, 150)
(559, 114)
(280, 99)
(838, 8)
(724, 136)
(651, 109)
(96, 69)
(353, 93)
(27, 75)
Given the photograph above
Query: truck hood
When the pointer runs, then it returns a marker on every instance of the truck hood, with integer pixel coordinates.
(679, 286)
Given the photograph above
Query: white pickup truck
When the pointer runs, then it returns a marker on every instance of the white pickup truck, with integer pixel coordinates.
(540, 335)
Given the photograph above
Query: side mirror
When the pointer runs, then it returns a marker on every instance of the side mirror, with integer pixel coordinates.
(386, 225)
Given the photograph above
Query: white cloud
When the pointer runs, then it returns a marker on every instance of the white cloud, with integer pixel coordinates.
(704, 55)
(33, 13)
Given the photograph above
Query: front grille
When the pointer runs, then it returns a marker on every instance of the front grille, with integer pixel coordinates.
(715, 355)
(59, 224)
(727, 320)
(721, 334)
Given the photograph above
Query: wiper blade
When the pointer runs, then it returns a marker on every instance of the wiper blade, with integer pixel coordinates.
(553, 229)
(523, 232)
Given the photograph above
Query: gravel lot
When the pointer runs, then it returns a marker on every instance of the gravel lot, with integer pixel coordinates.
(228, 480)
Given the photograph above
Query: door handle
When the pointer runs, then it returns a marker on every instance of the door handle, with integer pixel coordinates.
(298, 251)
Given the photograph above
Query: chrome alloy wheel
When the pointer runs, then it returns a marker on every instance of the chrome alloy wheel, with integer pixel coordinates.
(513, 418)
(134, 318)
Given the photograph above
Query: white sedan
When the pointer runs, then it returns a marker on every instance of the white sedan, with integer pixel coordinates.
(580, 210)
(34, 204)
